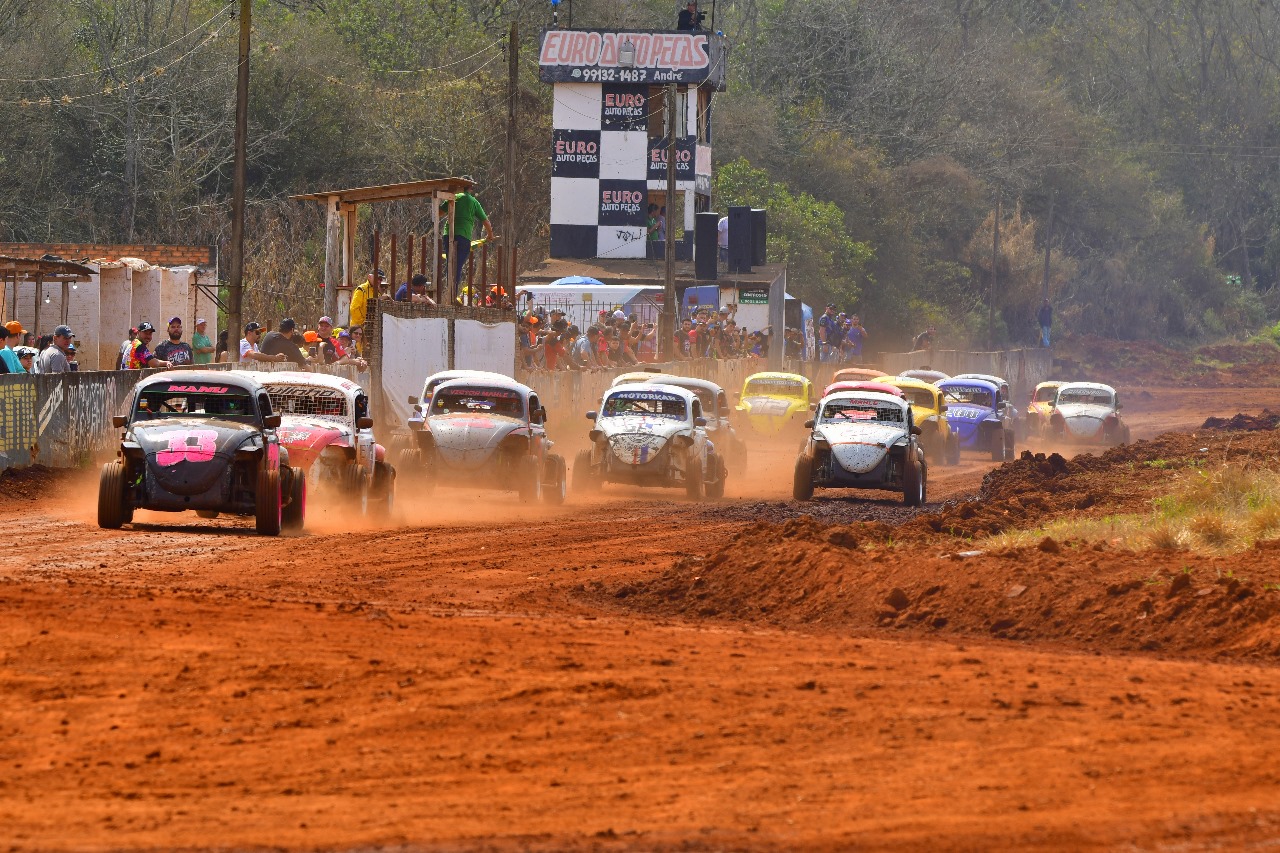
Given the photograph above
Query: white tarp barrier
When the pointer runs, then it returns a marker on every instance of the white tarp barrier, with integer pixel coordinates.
(484, 346)
(415, 348)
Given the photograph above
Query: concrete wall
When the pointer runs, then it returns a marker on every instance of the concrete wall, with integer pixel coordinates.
(115, 302)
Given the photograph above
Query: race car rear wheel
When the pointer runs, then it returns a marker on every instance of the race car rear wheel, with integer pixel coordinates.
(355, 486)
(693, 475)
(528, 478)
(953, 449)
(207, 513)
(584, 479)
(556, 485)
(715, 488)
(998, 446)
(382, 491)
(267, 509)
(113, 510)
(802, 484)
(294, 513)
(1010, 445)
(913, 487)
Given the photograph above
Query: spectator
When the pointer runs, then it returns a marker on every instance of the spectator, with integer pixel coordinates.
(9, 361)
(72, 364)
(555, 343)
(249, 345)
(682, 341)
(828, 334)
(175, 350)
(856, 336)
(1045, 318)
(662, 223)
(583, 354)
(722, 239)
(368, 289)
(357, 341)
(223, 354)
(201, 346)
(122, 361)
(43, 342)
(467, 211)
(140, 355)
(281, 343)
(689, 19)
(26, 358)
(53, 358)
(331, 350)
(529, 349)
(415, 291)
(925, 339)
(793, 344)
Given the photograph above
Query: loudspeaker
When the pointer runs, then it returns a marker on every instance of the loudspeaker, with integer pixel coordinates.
(704, 245)
(759, 236)
(739, 239)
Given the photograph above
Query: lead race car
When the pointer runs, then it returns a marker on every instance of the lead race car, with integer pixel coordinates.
(489, 432)
(325, 426)
(862, 440)
(715, 408)
(206, 441)
(979, 418)
(651, 434)
(1087, 413)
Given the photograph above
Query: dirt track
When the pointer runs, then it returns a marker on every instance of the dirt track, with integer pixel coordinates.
(471, 679)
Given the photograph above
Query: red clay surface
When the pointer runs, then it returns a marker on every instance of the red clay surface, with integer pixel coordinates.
(472, 678)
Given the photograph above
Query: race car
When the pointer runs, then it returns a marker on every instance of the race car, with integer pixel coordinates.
(862, 440)
(1087, 413)
(878, 387)
(202, 440)
(856, 374)
(775, 403)
(924, 374)
(487, 432)
(1041, 406)
(715, 408)
(325, 424)
(651, 434)
(977, 415)
(929, 411)
(419, 403)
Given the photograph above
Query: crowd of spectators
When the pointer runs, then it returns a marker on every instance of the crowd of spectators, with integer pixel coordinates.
(23, 352)
(840, 336)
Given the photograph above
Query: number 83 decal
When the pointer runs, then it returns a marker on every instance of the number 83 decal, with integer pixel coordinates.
(196, 445)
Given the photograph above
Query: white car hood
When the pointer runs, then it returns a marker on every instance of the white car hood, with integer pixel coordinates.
(636, 439)
(1084, 419)
(859, 447)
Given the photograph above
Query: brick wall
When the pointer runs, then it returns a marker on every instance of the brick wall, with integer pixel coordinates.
(157, 255)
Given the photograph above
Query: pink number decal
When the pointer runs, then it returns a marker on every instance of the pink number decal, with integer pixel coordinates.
(197, 445)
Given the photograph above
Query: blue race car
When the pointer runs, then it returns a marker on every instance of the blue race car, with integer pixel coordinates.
(978, 415)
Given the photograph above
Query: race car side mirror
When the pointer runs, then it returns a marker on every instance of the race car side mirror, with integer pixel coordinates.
(271, 421)
(942, 408)
(591, 416)
(119, 420)
(808, 424)
(699, 421)
(413, 401)
(364, 423)
(915, 430)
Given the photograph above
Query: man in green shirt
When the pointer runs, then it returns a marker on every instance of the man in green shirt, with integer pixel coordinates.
(200, 343)
(467, 212)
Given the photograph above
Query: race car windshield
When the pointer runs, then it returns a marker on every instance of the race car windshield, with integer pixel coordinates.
(847, 411)
(651, 404)
(970, 396)
(1084, 396)
(488, 401)
(919, 397)
(774, 388)
(154, 405)
(1045, 395)
(302, 400)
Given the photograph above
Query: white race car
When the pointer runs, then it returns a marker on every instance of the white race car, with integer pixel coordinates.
(1087, 413)
(715, 408)
(862, 440)
(325, 424)
(650, 434)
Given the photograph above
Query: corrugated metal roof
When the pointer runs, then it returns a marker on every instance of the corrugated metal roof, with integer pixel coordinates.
(32, 266)
(390, 192)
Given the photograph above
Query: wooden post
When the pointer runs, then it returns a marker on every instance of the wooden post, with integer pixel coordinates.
(1048, 235)
(394, 279)
(451, 262)
(991, 294)
(66, 298)
(35, 326)
(484, 271)
(667, 328)
(377, 260)
(506, 278)
(408, 259)
(235, 275)
(332, 254)
(470, 291)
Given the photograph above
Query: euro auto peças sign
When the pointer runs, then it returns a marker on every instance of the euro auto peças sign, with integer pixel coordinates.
(596, 56)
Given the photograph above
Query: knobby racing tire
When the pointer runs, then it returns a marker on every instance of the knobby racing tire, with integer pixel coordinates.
(715, 488)
(693, 477)
(953, 450)
(382, 490)
(355, 486)
(913, 482)
(113, 509)
(1010, 445)
(802, 483)
(584, 479)
(294, 513)
(998, 444)
(267, 510)
(556, 485)
(528, 478)
(207, 513)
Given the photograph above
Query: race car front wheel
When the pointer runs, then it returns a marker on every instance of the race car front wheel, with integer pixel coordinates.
(528, 478)
(267, 509)
(802, 484)
(913, 482)
(584, 479)
(715, 488)
(112, 509)
(693, 475)
(557, 480)
(294, 514)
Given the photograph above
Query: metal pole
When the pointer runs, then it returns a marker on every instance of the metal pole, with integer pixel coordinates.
(991, 294)
(667, 328)
(1048, 235)
(235, 276)
(507, 277)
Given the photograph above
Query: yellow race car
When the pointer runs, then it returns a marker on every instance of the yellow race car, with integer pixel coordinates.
(776, 403)
(929, 413)
(1041, 407)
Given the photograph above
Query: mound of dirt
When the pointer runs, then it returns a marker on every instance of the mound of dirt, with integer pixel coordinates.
(1088, 357)
(27, 484)
(1268, 420)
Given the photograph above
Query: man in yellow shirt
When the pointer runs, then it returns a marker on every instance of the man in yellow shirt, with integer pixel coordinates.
(369, 289)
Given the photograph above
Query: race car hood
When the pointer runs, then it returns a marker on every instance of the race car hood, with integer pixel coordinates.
(1084, 419)
(859, 447)
(965, 418)
(637, 439)
(307, 437)
(188, 456)
(467, 440)
(769, 415)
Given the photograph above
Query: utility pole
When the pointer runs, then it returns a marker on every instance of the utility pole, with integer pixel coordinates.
(1048, 235)
(235, 281)
(508, 275)
(667, 328)
(991, 294)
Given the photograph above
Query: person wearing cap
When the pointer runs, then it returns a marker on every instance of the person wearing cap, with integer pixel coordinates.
(249, 345)
(415, 291)
(26, 358)
(368, 289)
(467, 211)
(122, 360)
(828, 334)
(201, 346)
(176, 351)
(280, 343)
(9, 361)
(53, 358)
(140, 354)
